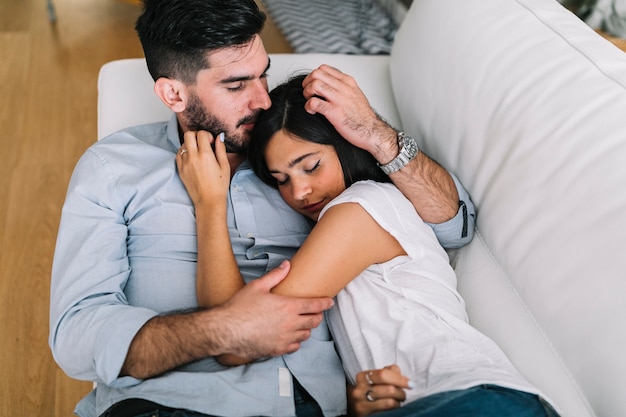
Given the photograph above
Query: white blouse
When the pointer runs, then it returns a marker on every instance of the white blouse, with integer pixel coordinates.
(407, 311)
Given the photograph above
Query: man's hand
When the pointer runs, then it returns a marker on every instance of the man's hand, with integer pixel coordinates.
(338, 97)
(263, 324)
(377, 390)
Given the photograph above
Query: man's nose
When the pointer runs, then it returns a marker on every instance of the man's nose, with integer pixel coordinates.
(261, 98)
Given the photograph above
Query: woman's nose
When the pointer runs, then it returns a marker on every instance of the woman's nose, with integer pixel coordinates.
(301, 189)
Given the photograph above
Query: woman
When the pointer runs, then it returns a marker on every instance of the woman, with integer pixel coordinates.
(396, 295)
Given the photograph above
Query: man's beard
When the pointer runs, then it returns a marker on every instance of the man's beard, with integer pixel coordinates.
(199, 119)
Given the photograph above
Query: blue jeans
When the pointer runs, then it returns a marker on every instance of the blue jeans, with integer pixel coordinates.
(480, 401)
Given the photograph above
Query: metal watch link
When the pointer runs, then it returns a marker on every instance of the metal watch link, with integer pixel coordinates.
(408, 151)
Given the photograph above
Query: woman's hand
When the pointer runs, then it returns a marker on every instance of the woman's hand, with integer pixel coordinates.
(205, 172)
(377, 390)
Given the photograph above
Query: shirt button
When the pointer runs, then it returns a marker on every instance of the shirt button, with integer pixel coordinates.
(250, 235)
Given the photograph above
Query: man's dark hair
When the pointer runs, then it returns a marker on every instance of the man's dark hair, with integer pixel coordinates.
(177, 34)
(288, 114)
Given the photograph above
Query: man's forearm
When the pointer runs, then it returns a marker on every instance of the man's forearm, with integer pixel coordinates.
(167, 342)
(429, 187)
(425, 183)
(253, 324)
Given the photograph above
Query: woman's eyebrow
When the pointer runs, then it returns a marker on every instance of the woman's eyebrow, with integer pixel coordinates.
(296, 161)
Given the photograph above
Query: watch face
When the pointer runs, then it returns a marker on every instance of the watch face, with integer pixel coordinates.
(409, 147)
(408, 150)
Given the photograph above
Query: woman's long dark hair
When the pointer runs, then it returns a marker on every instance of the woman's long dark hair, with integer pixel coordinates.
(287, 113)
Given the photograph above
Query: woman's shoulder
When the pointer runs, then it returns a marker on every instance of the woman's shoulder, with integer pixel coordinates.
(374, 197)
(374, 192)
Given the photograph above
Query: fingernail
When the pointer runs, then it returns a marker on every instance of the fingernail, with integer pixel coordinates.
(221, 136)
(411, 384)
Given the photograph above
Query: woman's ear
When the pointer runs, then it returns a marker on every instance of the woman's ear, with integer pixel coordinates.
(172, 92)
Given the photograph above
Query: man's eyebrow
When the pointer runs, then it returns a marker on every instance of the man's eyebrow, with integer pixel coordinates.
(235, 79)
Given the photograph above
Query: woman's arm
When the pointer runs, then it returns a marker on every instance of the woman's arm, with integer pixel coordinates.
(342, 244)
(206, 175)
(217, 277)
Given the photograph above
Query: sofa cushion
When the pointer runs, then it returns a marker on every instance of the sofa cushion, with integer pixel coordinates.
(527, 105)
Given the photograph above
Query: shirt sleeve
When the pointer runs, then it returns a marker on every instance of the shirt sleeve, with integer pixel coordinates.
(91, 323)
(459, 230)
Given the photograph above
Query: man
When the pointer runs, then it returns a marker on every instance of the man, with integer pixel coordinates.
(123, 303)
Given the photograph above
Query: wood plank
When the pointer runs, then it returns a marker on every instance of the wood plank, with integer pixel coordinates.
(272, 37)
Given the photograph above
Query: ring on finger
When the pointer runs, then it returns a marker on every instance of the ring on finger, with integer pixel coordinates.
(182, 151)
(368, 378)
(369, 397)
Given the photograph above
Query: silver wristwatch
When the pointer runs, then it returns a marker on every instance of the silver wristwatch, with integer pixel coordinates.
(408, 151)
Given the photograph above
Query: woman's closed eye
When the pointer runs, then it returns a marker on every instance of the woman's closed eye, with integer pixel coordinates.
(282, 179)
(314, 167)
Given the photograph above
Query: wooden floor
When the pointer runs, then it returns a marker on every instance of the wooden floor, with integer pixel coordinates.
(47, 119)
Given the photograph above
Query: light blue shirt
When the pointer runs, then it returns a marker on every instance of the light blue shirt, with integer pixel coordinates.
(126, 252)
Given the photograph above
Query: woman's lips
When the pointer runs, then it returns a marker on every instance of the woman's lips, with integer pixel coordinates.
(313, 208)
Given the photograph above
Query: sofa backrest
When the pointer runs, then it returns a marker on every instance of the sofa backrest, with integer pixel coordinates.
(527, 105)
(126, 95)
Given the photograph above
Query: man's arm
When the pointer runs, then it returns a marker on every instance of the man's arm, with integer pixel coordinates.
(430, 188)
(252, 324)
(97, 335)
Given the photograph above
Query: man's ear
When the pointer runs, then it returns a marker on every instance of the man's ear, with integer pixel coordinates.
(172, 92)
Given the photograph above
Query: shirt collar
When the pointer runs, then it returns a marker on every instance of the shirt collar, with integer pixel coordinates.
(172, 133)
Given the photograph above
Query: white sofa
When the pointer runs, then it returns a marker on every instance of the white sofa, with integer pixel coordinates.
(527, 105)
